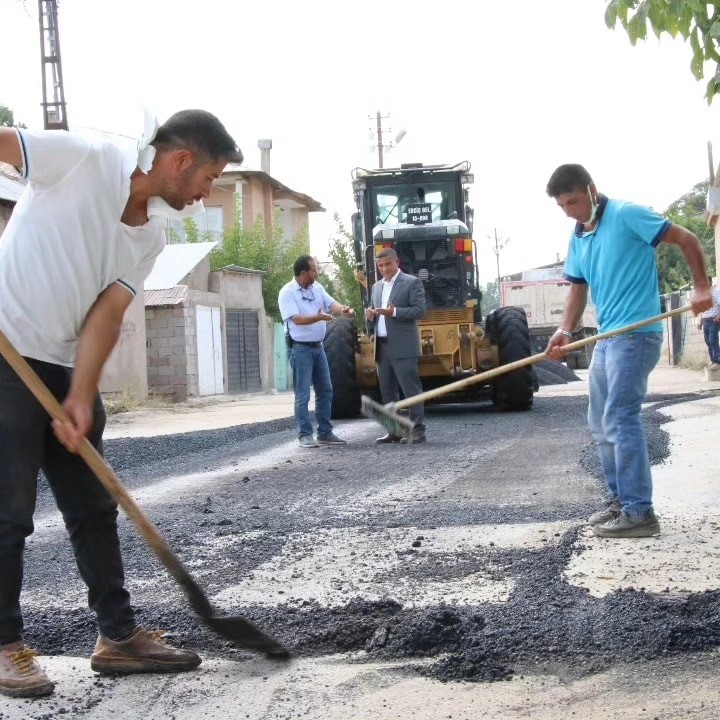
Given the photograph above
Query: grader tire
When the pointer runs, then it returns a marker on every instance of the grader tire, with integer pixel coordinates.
(514, 390)
(340, 342)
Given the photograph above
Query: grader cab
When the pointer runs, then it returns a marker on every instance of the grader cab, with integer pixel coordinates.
(422, 212)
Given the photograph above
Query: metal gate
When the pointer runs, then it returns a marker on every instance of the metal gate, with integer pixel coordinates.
(243, 350)
(209, 349)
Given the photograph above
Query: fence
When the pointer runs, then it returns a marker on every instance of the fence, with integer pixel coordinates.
(683, 342)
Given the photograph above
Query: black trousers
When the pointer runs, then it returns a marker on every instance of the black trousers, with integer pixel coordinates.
(28, 444)
(400, 374)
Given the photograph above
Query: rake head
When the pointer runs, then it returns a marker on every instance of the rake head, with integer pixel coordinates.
(394, 423)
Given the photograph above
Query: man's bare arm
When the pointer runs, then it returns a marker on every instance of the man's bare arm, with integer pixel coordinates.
(695, 258)
(98, 337)
(10, 150)
(574, 307)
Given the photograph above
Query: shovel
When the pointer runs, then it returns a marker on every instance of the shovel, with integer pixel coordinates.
(237, 629)
(395, 424)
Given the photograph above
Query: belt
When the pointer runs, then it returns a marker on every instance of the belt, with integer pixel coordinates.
(317, 343)
(381, 339)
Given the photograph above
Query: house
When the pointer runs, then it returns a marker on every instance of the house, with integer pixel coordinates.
(240, 196)
(206, 332)
(193, 332)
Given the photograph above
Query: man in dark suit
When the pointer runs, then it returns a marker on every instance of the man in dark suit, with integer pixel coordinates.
(398, 302)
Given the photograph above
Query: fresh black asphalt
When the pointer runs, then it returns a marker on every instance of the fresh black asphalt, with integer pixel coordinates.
(547, 624)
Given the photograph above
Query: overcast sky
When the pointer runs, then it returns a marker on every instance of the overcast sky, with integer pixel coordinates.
(516, 88)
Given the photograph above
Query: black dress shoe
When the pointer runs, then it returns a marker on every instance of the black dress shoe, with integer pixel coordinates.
(416, 436)
(389, 438)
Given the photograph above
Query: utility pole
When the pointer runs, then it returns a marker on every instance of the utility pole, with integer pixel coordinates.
(379, 139)
(378, 133)
(498, 247)
(54, 110)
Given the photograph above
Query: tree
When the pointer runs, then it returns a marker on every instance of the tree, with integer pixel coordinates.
(689, 212)
(7, 118)
(257, 249)
(490, 298)
(693, 20)
(345, 283)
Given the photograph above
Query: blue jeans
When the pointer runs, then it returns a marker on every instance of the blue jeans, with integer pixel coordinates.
(27, 443)
(711, 331)
(310, 369)
(618, 384)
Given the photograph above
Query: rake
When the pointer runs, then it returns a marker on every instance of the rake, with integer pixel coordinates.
(388, 415)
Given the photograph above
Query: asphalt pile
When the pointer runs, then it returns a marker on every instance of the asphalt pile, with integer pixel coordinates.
(546, 624)
(552, 372)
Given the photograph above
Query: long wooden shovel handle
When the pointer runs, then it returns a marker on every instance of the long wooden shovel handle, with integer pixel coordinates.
(531, 360)
(98, 465)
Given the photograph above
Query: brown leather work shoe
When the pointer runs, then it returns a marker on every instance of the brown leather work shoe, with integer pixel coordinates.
(20, 674)
(389, 438)
(143, 652)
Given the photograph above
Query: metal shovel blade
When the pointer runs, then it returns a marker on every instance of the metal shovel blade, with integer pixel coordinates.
(243, 633)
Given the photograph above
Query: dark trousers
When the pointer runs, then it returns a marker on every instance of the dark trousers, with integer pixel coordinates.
(28, 444)
(400, 374)
(711, 332)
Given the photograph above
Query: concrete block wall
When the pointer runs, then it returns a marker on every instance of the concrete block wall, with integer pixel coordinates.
(167, 351)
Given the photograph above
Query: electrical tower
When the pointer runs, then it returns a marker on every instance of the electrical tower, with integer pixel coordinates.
(54, 110)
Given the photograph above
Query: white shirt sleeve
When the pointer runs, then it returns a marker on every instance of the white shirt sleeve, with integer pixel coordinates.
(133, 279)
(327, 299)
(50, 155)
(287, 304)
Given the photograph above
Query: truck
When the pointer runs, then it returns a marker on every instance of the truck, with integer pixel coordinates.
(422, 212)
(543, 300)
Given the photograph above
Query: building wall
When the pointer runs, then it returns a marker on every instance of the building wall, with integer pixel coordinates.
(169, 347)
(257, 200)
(292, 221)
(126, 369)
(223, 197)
(198, 279)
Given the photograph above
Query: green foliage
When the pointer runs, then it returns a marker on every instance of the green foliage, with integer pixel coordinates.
(689, 212)
(693, 20)
(192, 232)
(257, 249)
(7, 118)
(491, 298)
(348, 290)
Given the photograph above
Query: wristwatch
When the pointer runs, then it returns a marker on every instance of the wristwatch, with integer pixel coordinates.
(566, 333)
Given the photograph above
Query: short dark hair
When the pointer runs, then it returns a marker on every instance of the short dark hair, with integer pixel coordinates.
(199, 131)
(387, 253)
(568, 178)
(302, 264)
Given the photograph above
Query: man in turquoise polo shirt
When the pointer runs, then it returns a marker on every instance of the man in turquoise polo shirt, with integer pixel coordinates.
(612, 253)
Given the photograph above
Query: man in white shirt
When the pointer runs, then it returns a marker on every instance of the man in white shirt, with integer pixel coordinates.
(81, 240)
(306, 308)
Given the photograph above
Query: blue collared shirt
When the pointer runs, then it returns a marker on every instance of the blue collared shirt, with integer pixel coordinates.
(294, 299)
(617, 261)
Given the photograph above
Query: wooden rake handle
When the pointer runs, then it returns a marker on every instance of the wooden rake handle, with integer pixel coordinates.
(531, 360)
(97, 464)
